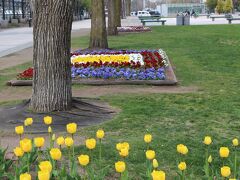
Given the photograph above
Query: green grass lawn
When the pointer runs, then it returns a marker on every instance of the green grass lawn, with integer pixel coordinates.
(204, 56)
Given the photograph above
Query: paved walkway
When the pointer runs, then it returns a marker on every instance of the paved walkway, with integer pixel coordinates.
(16, 39)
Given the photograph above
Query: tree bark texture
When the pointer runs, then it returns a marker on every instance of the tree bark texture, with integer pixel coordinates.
(112, 26)
(52, 23)
(118, 12)
(128, 7)
(123, 10)
(98, 36)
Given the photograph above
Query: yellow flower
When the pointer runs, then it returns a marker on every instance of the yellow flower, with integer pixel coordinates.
(120, 166)
(225, 171)
(19, 130)
(45, 166)
(150, 154)
(182, 166)
(55, 153)
(91, 143)
(207, 140)
(124, 152)
(18, 152)
(60, 141)
(47, 120)
(120, 146)
(43, 175)
(147, 138)
(25, 176)
(39, 142)
(100, 134)
(158, 175)
(210, 159)
(182, 149)
(69, 141)
(155, 163)
(26, 145)
(53, 137)
(49, 129)
(28, 122)
(83, 160)
(224, 152)
(71, 128)
(235, 142)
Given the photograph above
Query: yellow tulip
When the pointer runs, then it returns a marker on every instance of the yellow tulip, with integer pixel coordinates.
(55, 153)
(235, 142)
(45, 166)
(158, 175)
(91, 143)
(83, 160)
(69, 141)
(182, 166)
(18, 152)
(147, 138)
(182, 149)
(28, 122)
(100, 134)
(60, 141)
(210, 159)
(26, 145)
(225, 171)
(19, 130)
(155, 163)
(25, 176)
(224, 152)
(49, 129)
(47, 120)
(124, 152)
(43, 175)
(39, 142)
(150, 154)
(207, 140)
(120, 146)
(120, 166)
(71, 128)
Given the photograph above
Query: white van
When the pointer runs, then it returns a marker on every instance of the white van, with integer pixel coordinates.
(143, 13)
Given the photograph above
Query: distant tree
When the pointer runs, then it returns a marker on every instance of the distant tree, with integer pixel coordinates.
(112, 21)
(98, 36)
(128, 7)
(118, 12)
(228, 6)
(220, 6)
(211, 4)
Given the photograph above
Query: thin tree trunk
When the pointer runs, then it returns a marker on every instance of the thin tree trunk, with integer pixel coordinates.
(52, 22)
(128, 7)
(123, 10)
(112, 26)
(118, 12)
(98, 37)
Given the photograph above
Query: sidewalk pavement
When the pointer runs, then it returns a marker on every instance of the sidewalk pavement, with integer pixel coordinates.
(17, 39)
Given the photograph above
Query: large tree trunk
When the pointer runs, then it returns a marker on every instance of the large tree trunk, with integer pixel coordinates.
(52, 22)
(128, 7)
(112, 26)
(118, 12)
(98, 38)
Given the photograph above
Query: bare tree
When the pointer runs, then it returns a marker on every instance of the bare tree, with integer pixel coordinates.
(128, 7)
(118, 12)
(98, 37)
(52, 22)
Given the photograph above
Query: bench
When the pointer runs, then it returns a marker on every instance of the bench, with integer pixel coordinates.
(149, 18)
(207, 15)
(159, 20)
(232, 19)
(217, 16)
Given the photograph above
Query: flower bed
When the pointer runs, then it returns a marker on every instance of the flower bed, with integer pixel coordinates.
(115, 64)
(133, 29)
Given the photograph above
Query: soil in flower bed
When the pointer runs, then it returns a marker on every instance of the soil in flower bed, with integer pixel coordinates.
(84, 112)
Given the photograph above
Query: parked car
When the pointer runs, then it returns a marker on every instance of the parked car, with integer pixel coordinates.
(154, 13)
(143, 13)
